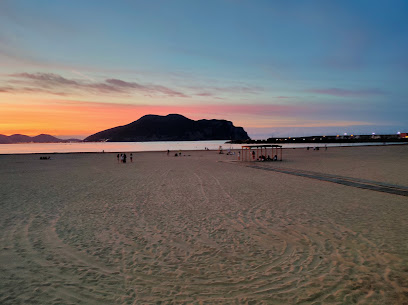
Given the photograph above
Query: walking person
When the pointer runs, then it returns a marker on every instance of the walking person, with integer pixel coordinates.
(131, 158)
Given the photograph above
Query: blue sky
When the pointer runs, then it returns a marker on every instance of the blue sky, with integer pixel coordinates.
(272, 67)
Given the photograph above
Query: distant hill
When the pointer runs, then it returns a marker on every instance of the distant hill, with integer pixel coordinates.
(42, 138)
(173, 127)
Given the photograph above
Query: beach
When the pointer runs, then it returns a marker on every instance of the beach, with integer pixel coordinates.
(204, 228)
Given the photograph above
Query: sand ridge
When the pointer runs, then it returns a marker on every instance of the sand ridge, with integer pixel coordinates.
(83, 229)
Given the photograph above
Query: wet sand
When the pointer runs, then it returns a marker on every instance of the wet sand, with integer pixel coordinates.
(203, 229)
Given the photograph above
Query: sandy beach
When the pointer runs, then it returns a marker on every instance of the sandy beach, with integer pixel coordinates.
(204, 229)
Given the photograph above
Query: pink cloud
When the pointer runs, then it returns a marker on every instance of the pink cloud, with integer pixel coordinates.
(198, 111)
(6, 89)
(204, 94)
(256, 109)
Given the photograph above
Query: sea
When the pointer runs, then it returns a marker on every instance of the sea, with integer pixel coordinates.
(86, 147)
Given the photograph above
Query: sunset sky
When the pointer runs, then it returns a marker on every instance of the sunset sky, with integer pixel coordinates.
(72, 68)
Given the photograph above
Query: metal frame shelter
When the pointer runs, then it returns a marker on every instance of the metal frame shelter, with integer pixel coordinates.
(253, 152)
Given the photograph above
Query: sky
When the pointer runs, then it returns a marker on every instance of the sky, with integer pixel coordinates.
(276, 68)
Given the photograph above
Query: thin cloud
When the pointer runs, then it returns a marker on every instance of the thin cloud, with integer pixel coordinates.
(123, 84)
(145, 88)
(57, 84)
(213, 91)
(252, 109)
(47, 79)
(6, 89)
(54, 83)
(164, 90)
(240, 89)
(29, 90)
(347, 93)
(247, 109)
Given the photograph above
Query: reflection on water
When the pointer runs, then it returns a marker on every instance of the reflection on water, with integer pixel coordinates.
(110, 147)
(26, 148)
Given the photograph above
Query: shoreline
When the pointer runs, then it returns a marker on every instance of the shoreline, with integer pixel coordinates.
(320, 145)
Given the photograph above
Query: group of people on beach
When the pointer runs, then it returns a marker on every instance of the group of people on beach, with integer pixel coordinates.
(317, 148)
(122, 158)
(176, 154)
(268, 158)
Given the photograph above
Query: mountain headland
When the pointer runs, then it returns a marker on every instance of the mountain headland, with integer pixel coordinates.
(42, 138)
(172, 127)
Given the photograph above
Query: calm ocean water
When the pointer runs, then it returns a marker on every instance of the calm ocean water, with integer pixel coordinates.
(27, 148)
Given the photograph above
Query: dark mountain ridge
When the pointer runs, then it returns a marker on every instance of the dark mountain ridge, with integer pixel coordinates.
(41, 138)
(173, 127)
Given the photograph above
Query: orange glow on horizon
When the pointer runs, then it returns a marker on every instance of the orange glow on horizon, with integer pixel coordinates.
(82, 118)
